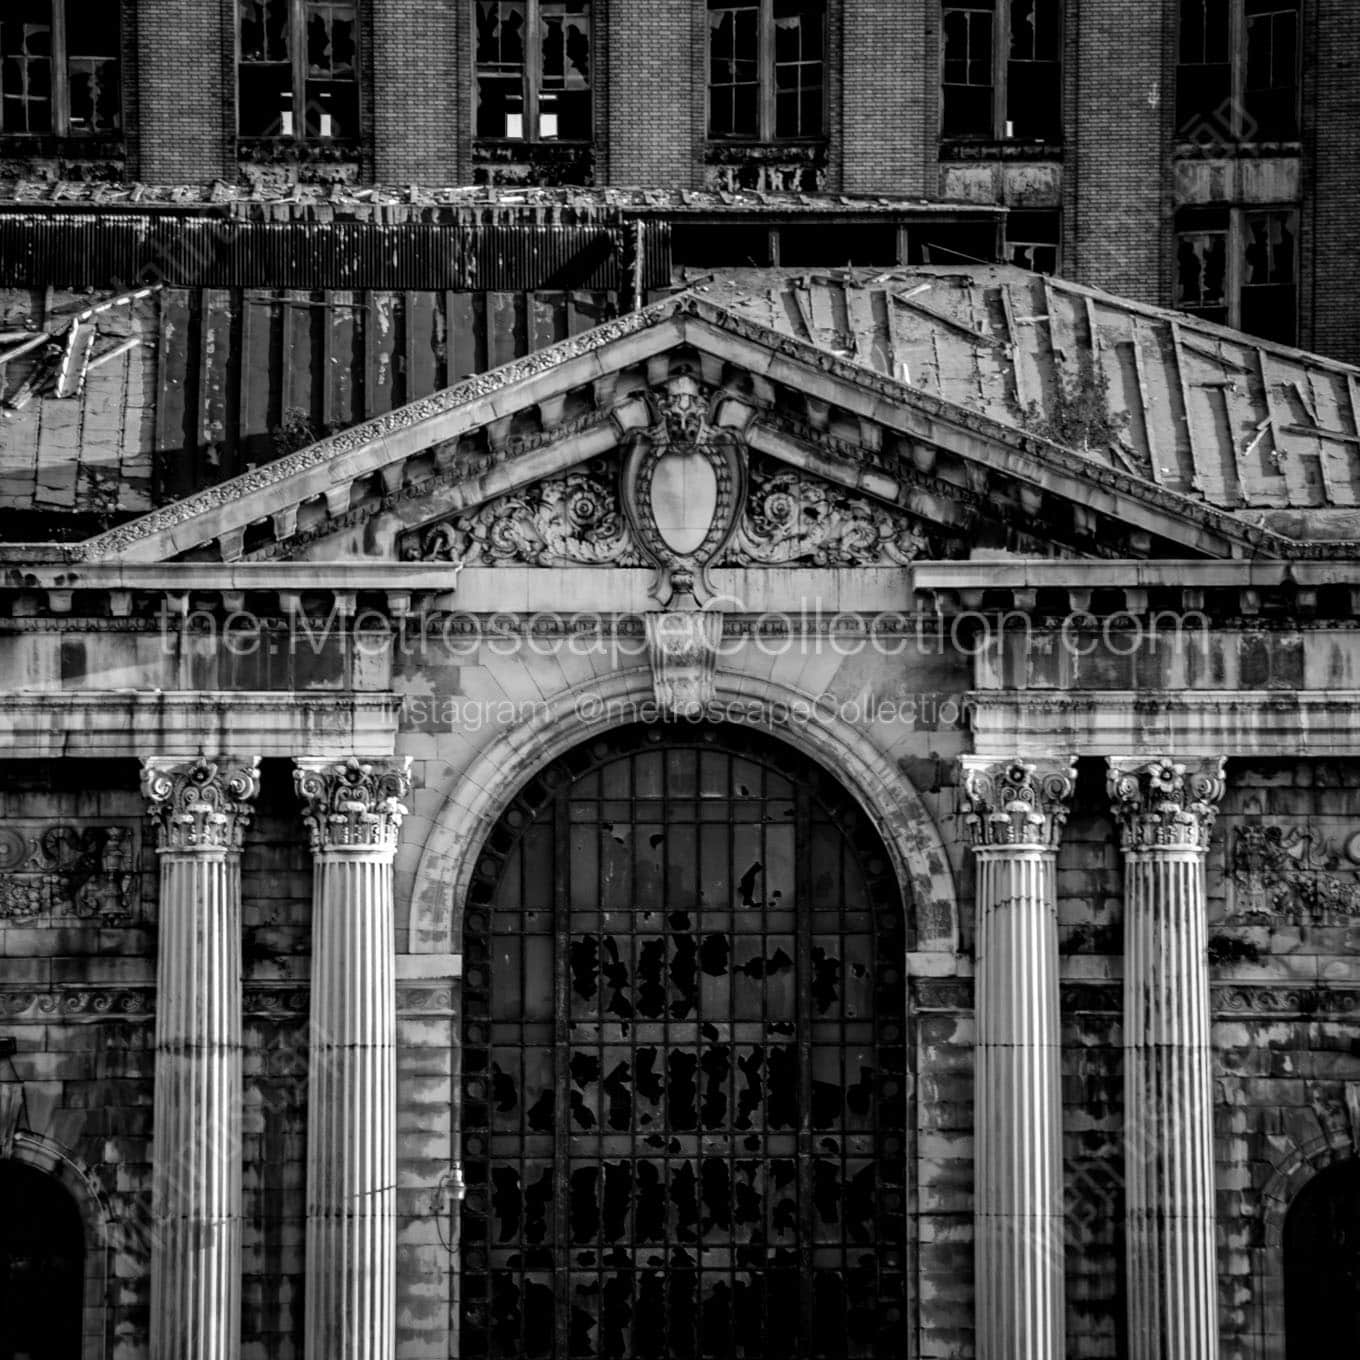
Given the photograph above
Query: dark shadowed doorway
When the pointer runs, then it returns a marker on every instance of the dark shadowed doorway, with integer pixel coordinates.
(42, 1267)
(1322, 1266)
(684, 1062)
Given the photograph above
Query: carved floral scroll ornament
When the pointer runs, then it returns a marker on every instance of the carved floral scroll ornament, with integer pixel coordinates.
(791, 519)
(1015, 803)
(571, 519)
(1160, 804)
(683, 650)
(351, 804)
(54, 871)
(1292, 873)
(200, 805)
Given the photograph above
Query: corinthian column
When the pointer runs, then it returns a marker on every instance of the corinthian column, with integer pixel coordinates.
(1013, 814)
(201, 809)
(353, 811)
(1165, 812)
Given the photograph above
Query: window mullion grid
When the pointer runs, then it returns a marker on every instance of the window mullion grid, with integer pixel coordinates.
(1235, 264)
(297, 50)
(61, 104)
(1237, 55)
(533, 68)
(1001, 49)
(765, 70)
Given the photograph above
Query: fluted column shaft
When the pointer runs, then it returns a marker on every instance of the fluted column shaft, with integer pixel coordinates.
(1168, 1085)
(1013, 814)
(354, 813)
(196, 1129)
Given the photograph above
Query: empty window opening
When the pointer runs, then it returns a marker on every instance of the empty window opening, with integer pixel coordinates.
(59, 68)
(1238, 73)
(1002, 70)
(298, 74)
(766, 70)
(1238, 267)
(1033, 240)
(533, 70)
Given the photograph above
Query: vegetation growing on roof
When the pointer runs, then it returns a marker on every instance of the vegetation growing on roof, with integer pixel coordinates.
(1079, 416)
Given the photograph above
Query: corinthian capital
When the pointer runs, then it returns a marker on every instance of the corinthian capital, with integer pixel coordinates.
(200, 804)
(1015, 802)
(352, 804)
(1165, 803)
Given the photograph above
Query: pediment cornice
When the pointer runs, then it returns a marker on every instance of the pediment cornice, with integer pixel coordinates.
(783, 397)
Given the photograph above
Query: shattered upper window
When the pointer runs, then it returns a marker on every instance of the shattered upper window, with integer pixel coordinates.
(766, 69)
(1237, 77)
(39, 39)
(298, 55)
(1001, 71)
(533, 70)
(1239, 267)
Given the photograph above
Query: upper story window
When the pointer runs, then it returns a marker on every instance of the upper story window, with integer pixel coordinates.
(1238, 267)
(59, 67)
(1002, 70)
(298, 69)
(533, 70)
(766, 69)
(1238, 73)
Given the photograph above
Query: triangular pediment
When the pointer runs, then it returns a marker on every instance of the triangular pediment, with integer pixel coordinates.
(877, 469)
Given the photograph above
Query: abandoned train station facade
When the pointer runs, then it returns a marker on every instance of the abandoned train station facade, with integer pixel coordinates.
(665, 754)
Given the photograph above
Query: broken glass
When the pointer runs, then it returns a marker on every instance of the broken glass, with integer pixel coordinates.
(733, 70)
(26, 66)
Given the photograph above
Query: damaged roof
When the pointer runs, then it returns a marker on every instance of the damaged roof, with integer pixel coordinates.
(1253, 427)
(107, 402)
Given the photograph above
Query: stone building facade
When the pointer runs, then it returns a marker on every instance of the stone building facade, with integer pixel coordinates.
(581, 777)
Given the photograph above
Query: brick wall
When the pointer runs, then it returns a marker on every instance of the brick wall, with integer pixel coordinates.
(418, 66)
(651, 128)
(1332, 180)
(180, 92)
(1116, 124)
(889, 124)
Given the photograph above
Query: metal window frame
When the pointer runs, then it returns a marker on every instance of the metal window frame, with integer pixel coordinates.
(1235, 262)
(532, 83)
(765, 81)
(1237, 65)
(1000, 11)
(61, 88)
(297, 62)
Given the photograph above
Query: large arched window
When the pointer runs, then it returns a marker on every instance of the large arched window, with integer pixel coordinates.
(42, 1267)
(1322, 1266)
(684, 1066)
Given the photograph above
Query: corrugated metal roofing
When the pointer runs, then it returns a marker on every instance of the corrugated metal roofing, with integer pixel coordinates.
(1241, 423)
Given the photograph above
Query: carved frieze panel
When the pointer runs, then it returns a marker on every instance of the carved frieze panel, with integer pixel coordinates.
(55, 873)
(1294, 872)
(755, 512)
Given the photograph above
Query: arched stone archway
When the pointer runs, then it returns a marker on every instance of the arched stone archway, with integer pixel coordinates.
(41, 1156)
(872, 777)
(1321, 1260)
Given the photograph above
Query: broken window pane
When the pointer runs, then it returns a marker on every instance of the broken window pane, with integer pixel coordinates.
(1270, 83)
(26, 66)
(92, 39)
(332, 71)
(330, 40)
(798, 65)
(733, 70)
(264, 30)
(1269, 292)
(1204, 75)
(1032, 239)
(1202, 270)
(968, 87)
(564, 87)
(1034, 72)
(500, 69)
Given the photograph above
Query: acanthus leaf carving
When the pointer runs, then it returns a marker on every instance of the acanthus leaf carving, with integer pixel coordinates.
(1163, 804)
(1290, 872)
(683, 649)
(352, 804)
(1015, 803)
(573, 519)
(795, 519)
(202, 804)
(52, 871)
